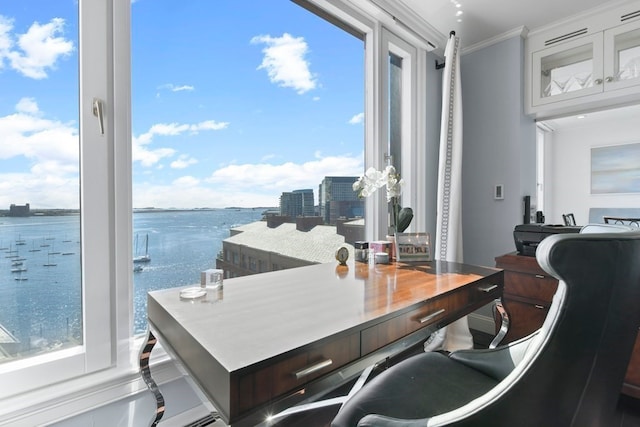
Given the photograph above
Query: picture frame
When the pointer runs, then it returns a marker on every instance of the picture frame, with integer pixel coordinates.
(615, 170)
(413, 247)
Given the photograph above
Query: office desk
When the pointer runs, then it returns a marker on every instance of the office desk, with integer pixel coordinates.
(267, 341)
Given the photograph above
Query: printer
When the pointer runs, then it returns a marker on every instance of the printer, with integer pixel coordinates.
(528, 236)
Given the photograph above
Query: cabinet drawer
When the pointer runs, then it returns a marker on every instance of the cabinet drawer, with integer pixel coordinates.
(292, 372)
(524, 318)
(393, 329)
(532, 286)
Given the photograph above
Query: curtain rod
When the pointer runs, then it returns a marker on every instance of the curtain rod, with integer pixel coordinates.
(440, 66)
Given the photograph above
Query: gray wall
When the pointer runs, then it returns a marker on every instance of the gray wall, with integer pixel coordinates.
(499, 148)
(433, 112)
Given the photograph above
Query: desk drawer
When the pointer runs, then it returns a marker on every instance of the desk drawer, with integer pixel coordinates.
(395, 328)
(295, 371)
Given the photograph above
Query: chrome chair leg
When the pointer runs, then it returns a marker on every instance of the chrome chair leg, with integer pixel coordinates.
(498, 308)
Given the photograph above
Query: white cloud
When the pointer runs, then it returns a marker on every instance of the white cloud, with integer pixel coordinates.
(247, 185)
(6, 25)
(40, 48)
(208, 125)
(286, 176)
(173, 129)
(186, 181)
(25, 133)
(28, 106)
(149, 157)
(183, 162)
(285, 63)
(357, 119)
(199, 196)
(46, 154)
(173, 88)
(50, 191)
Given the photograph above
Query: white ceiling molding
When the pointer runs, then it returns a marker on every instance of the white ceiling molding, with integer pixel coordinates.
(521, 32)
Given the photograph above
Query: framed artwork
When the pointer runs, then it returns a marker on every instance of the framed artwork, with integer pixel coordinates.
(413, 247)
(615, 169)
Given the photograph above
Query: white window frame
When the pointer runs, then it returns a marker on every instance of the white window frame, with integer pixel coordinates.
(385, 32)
(47, 388)
(412, 152)
(40, 389)
(543, 132)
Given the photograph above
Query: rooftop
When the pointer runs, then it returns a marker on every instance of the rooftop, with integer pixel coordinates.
(316, 245)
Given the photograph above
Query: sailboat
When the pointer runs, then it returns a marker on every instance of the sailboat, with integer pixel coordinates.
(33, 249)
(142, 258)
(49, 263)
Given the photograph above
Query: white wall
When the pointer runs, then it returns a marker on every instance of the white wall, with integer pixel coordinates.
(568, 164)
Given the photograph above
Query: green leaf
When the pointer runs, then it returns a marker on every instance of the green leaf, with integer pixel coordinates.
(404, 219)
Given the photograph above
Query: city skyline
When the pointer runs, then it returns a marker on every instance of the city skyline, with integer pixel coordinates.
(230, 107)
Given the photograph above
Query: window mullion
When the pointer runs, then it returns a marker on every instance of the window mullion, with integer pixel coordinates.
(97, 193)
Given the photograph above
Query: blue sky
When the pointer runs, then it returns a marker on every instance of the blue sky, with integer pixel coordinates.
(231, 104)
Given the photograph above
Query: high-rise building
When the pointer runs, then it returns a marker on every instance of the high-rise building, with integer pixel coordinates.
(338, 200)
(297, 203)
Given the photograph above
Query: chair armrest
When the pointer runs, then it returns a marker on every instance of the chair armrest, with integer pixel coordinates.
(374, 420)
(496, 363)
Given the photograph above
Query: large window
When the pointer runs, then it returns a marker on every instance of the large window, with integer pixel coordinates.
(39, 204)
(232, 107)
(208, 110)
(58, 169)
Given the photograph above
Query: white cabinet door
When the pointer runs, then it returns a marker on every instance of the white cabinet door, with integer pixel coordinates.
(567, 71)
(622, 56)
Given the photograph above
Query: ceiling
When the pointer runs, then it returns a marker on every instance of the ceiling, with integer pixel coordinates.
(484, 19)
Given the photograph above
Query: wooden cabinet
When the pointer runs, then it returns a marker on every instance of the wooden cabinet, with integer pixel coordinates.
(528, 291)
(527, 294)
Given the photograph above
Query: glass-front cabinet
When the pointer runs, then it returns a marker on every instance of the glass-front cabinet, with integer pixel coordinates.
(590, 64)
(568, 70)
(622, 45)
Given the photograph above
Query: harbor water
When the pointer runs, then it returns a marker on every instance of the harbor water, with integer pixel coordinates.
(40, 274)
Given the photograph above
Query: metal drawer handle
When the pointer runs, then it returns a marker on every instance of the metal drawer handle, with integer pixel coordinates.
(539, 276)
(432, 315)
(539, 307)
(312, 369)
(487, 289)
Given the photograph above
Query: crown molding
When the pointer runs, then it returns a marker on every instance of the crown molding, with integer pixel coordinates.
(516, 32)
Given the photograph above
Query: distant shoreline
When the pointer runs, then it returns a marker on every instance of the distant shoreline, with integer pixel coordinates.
(65, 212)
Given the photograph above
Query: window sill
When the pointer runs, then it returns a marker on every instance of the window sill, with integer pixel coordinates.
(63, 400)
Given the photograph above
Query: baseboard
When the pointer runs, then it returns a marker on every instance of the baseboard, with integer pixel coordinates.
(482, 323)
(199, 416)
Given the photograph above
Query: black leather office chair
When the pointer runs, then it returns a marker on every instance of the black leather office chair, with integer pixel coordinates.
(568, 373)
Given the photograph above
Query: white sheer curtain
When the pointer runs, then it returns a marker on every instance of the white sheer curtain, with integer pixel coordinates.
(448, 239)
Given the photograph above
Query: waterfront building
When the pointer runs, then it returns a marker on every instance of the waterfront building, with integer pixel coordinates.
(258, 247)
(19, 210)
(338, 200)
(297, 203)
